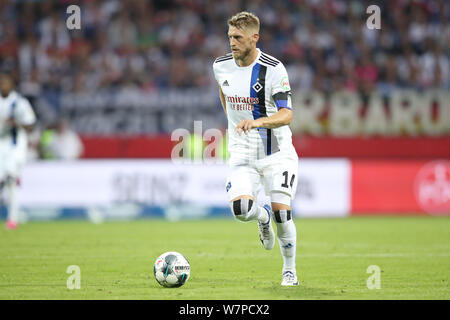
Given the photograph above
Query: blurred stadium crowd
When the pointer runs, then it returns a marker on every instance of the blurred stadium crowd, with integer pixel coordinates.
(170, 44)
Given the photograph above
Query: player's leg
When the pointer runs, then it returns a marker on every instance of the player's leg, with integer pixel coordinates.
(5, 182)
(242, 187)
(14, 164)
(245, 209)
(13, 203)
(241, 184)
(286, 234)
(280, 178)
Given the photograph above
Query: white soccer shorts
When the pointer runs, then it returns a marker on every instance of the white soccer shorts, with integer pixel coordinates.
(276, 173)
(12, 160)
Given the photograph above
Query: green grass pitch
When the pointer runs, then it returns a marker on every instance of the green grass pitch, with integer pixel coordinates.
(227, 260)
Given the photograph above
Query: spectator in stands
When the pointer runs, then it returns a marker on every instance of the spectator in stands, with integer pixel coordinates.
(61, 143)
(160, 45)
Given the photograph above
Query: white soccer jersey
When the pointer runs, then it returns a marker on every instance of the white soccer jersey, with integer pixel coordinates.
(13, 140)
(251, 92)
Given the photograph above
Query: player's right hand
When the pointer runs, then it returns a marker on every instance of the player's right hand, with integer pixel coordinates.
(246, 125)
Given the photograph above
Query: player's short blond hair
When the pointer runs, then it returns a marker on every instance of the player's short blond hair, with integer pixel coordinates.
(245, 20)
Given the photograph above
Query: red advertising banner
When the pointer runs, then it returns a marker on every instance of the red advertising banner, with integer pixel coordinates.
(373, 147)
(400, 187)
(160, 146)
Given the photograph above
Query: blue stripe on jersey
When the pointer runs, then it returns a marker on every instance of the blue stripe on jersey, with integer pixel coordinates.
(253, 93)
(13, 129)
(264, 133)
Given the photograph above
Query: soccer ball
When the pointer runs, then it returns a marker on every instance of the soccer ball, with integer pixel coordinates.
(171, 269)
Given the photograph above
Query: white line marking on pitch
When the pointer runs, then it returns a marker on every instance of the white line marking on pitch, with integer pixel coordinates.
(375, 255)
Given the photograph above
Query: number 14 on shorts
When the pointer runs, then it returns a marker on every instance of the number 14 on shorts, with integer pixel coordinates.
(286, 179)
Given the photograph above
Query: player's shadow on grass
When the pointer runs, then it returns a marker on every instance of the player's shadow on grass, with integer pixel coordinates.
(298, 292)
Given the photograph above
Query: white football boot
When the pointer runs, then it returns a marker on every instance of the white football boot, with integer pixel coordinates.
(266, 233)
(289, 279)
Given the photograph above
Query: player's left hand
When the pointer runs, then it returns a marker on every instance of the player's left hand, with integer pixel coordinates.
(246, 125)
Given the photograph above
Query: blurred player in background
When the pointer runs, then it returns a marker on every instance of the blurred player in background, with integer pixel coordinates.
(16, 118)
(62, 142)
(256, 97)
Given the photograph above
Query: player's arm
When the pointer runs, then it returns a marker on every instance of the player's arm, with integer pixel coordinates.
(15, 124)
(222, 100)
(24, 116)
(282, 117)
(221, 95)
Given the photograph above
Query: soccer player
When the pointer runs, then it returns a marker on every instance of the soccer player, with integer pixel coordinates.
(256, 97)
(16, 117)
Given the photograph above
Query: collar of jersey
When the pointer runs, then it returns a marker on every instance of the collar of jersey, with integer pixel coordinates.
(251, 64)
(11, 96)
